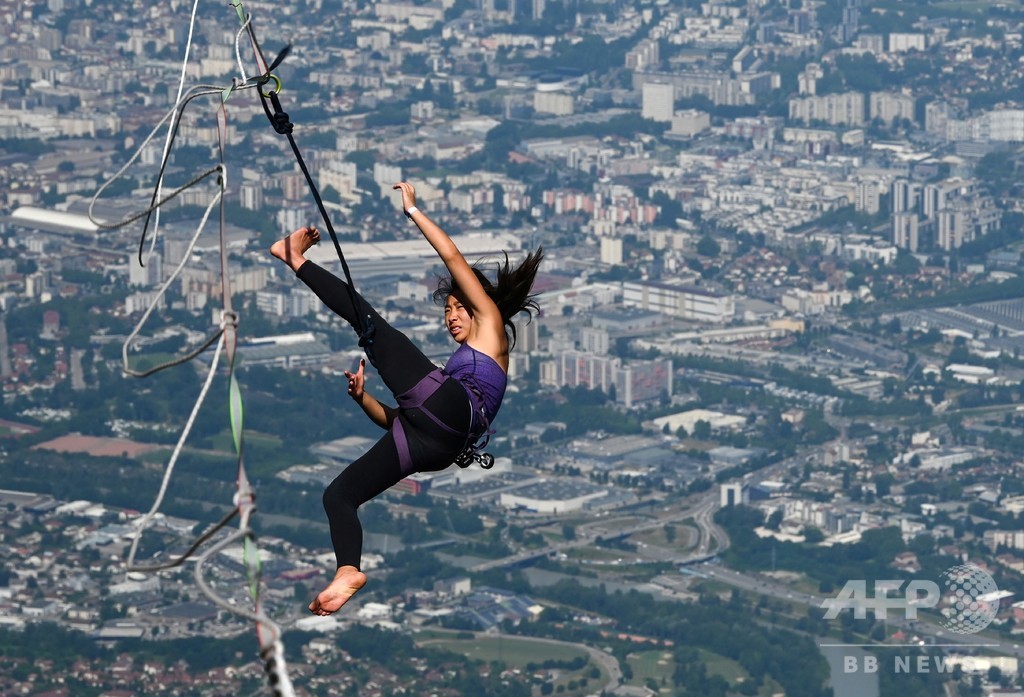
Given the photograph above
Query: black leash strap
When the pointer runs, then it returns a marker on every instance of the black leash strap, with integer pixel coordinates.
(283, 125)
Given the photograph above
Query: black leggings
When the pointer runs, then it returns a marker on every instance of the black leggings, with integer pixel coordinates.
(401, 365)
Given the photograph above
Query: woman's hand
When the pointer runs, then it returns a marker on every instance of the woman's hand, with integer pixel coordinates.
(356, 381)
(408, 195)
(378, 413)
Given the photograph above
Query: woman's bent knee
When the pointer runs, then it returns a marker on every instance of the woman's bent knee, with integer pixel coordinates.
(334, 496)
(343, 491)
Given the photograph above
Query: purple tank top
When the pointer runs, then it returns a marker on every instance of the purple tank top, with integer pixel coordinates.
(482, 377)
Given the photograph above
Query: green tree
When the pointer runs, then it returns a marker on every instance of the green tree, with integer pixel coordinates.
(708, 247)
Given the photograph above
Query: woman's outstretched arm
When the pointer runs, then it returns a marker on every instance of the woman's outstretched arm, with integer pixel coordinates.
(479, 304)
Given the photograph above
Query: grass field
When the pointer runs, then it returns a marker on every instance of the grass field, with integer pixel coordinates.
(658, 665)
(512, 651)
(685, 537)
(717, 664)
(651, 665)
(597, 555)
(162, 455)
(654, 665)
(712, 586)
(519, 652)
(264, 455)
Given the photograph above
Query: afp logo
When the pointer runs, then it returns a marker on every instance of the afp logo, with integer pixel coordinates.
(967, 596)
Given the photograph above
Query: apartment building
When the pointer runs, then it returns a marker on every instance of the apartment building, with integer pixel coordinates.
(684, 302)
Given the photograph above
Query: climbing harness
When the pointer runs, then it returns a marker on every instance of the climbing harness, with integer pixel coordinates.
(416, 397)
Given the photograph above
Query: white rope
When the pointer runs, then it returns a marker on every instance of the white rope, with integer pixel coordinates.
(163, 288)
(271, 648)
(197, 91)
(238, 50)
(169, 470)
(170, 130)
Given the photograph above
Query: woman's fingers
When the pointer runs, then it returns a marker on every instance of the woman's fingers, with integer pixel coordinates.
(408, 194)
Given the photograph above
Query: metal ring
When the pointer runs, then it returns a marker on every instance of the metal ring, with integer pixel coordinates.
(276, 79)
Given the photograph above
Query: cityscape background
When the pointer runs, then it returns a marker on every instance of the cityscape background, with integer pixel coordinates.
(779, 347)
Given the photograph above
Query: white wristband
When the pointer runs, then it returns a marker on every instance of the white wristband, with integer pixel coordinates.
(410, 210)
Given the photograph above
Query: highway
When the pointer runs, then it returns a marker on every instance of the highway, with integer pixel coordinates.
(713, 539)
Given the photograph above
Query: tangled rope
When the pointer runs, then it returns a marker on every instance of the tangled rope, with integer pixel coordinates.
(271, 648)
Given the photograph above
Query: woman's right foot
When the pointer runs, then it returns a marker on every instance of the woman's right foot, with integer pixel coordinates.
(291, 249)
(347, 582)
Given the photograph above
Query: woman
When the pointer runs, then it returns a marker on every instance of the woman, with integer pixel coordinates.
(440, 413)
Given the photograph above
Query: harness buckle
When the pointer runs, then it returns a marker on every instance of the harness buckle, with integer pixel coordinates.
(471, 455)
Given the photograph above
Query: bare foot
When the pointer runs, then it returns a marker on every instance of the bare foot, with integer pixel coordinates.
(291, 248)
(347, 581)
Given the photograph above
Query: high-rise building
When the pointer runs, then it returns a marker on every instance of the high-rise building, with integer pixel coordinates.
(1002, 125)
(596, 341)
(174, 250)
(892, 106)
(906, 231)
(611, 250)
(5, 352)
(845, 109)
(734, 495)
(385, 174)
(557, 103)
(148, 275)
(937, 196)
(690, 122)
(953, 228)
(341, 176)
(800, 21)
(251, 196)
(36, 284)
(633, 383)
(807, 80)
(684, 302)
(527, 333)
(902, 42)
(643, 381)
(658, 101)
(906, 195)
(644, 56)
(872, 43)
(868, 198)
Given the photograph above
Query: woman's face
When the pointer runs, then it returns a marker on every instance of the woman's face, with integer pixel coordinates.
(457, 319)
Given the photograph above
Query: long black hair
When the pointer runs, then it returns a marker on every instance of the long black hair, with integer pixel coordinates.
(512, 292)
